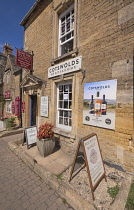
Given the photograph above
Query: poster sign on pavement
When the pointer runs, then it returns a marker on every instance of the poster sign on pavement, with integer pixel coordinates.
(92, 160)
(30, 135)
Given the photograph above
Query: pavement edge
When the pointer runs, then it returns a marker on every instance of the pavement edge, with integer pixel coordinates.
(66, 192)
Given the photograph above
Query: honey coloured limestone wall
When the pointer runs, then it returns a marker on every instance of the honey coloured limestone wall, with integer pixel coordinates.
(105, 42)
(38, 38)
(108, 54)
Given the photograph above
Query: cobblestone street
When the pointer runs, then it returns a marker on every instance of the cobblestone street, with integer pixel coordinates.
(20, 187)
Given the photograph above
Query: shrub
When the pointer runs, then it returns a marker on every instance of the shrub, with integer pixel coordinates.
(10, 122)
(45, 131)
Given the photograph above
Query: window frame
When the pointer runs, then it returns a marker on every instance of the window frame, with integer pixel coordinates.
(70, 8)
(58, 125)
(8, 107)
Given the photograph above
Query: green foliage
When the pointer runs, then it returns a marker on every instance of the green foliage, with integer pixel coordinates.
(59, 176)
(130, 199)
(64, 200)
(10, 123)
(113, 191)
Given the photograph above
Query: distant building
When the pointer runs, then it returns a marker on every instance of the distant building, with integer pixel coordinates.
(10, 79)
(82, 79)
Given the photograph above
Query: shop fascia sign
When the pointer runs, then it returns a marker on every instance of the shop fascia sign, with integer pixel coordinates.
(65, 67)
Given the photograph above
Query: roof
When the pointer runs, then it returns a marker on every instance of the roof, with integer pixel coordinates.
(30, 12)
(14, 67)
(3, 60)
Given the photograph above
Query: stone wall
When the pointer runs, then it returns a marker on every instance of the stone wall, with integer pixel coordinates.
(105, 41)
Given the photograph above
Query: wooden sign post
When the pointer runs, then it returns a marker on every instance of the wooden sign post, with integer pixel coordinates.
(93, 160)
(30, 135)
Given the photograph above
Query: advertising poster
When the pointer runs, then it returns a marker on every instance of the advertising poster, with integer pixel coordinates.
(94, 159)
(100, 103)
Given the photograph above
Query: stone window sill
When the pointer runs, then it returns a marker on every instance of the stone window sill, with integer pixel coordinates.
(70, 54)
(64, 133)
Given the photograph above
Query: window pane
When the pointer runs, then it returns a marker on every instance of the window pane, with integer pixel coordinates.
(69, 114)
(66, 88)
(70, 96)
(69, 36)
(60, 104)
(61, 120)
(60, 96)
(63, 39)
(61, 113)
(70, 87)
(63, 19)
(65, 104)
(67, 47)
(65, 121)
(70, 122)
(68, 24)
(65, 113)
(62, 28)
(61, 88)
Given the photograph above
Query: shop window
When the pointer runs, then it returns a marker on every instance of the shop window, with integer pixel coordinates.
(8, 106)
(64, 105)
(66, 31)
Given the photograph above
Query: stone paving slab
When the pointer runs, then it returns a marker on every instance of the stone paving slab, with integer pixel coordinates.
(21, 188)
(56, 163)
(64, 190)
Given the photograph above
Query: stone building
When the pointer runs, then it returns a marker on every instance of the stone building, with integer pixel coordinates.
(10, 85)
(3, 59)
(83, 50)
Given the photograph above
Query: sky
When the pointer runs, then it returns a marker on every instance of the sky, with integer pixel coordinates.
(11, 14)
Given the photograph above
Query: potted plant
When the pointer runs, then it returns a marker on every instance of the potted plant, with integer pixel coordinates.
(45, 142)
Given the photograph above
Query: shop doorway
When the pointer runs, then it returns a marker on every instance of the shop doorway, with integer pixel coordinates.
(33, 108)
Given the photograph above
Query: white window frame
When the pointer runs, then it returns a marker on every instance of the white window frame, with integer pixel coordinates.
(8, 106)
(8, 77)
(66, 33)
(69, 119)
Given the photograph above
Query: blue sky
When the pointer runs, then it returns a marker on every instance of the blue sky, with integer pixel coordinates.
(11, 14)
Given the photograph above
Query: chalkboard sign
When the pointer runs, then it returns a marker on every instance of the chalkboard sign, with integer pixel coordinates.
(30, 135)
(92, 158)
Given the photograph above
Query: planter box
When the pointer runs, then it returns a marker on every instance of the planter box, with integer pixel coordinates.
(2, 124)
(45, 146)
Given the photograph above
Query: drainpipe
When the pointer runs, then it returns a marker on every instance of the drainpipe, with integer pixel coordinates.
(20, 99)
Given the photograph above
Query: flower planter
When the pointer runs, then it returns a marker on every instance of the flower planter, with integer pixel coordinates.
(45, 146)
(2, 124)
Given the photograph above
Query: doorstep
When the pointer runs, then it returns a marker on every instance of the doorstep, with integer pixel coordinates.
(56, 163)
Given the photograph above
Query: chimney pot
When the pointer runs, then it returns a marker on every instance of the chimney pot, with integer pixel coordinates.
(7, 49)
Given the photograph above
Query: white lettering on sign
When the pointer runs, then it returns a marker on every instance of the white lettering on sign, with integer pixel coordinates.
(65, 67)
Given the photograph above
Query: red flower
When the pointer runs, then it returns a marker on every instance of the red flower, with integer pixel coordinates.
(45, 131)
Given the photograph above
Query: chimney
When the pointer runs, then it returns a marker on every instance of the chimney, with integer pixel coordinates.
(7, 49)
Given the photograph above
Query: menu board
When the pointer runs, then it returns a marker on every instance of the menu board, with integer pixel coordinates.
(30, 135)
